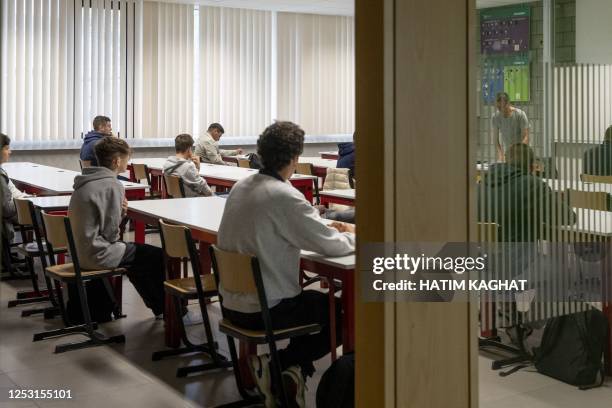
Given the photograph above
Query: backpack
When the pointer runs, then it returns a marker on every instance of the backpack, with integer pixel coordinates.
(572, 349)
(337, 386)
(254, 161)
(101, 306)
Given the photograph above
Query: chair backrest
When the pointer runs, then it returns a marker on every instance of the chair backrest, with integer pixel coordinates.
(174, 186)
(244, 163)
(55, 230)
(174, 240)
(81, 164)
(140, 172)
(24, 211)
(304, 168)
(233, 270)
(337, 179)
(591, 178)
(487, 232)
(593, 200)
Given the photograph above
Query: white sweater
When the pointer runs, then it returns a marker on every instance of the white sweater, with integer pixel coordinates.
(272, 220)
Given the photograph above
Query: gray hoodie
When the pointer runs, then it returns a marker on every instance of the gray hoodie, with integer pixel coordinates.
(95, 214)
(9, 212)
(195, 185)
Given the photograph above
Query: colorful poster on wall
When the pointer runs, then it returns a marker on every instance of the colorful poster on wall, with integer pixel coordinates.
(516, 82)
(504, 30)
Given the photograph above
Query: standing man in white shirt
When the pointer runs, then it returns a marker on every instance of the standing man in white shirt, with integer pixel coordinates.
(510, 123)
(207, 147)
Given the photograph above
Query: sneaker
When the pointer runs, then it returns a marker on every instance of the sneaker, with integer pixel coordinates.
(295, 386)
(260, 370)
(192, 317)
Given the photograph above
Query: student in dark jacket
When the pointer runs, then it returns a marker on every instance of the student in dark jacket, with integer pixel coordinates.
(346, 157)
(102, 127)
(598, 160)
(511, 196)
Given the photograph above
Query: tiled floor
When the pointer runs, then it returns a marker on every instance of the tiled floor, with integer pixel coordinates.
(111, 376)
(124, 375)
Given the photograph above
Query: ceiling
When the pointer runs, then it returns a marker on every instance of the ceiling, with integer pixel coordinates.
(333, 7)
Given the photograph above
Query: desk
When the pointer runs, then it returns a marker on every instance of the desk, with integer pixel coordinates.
(203, 216)
(333, 154)
(227, 176)
(344, 197)
(319, 165)
(52, 181)
(599, 224)
(560, 185)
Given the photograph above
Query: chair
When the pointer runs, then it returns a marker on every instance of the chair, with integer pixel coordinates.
(306, 169)
(174, 186)
(81, 164)
(26, 217)
(592, 200)
(591, 178)
(59, 234)
(178, 244)
(239, 273)
(244, 163)
(141, 172)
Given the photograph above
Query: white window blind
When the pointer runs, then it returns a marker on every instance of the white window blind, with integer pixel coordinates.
(235, 75)
(167, 70)
(316, 72)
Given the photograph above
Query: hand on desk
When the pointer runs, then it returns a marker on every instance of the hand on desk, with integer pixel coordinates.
(343, 227)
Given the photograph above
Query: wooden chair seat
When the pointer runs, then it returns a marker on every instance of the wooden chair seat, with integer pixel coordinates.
(65, 272)
(259, 336)
(185, 287)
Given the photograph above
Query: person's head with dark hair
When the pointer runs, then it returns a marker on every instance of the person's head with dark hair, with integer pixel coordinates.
(608, 134)
(102, 124)
(183, 143)
(502, 101)
(5, 145)
(521, 156)
(113, 153)
(279, 147)
(216, 131)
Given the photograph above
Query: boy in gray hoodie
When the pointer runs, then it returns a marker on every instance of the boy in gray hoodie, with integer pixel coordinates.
(186, 165)
(96, 209)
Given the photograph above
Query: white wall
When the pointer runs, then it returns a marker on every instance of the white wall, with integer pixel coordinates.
(594, 31)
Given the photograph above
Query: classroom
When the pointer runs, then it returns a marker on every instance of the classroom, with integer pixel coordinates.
(300, 203)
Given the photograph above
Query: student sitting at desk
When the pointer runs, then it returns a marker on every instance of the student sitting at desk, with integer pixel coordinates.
(267, 217)
(186, 165)
(346, 157)
(207, 148)
(598, 160)
(9, 212)
(96, 209)
(102, 127)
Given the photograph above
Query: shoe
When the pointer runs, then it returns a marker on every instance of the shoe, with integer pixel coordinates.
(295, 386)
(192, 318)
(260, 370)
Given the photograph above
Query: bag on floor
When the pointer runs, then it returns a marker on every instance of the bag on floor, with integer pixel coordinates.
(572, 349)
(254, 161)
(100, 303)
(337, 386)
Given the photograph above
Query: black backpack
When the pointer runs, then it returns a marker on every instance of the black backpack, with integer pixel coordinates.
(337, 386)
(572, 349)
(254, 161)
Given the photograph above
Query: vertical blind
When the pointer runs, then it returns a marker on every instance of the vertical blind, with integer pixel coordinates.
(316, 73)
(159, 69)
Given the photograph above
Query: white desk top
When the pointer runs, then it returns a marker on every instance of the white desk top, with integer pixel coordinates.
(52, 179)
(594, 222)
(348, 194)
(50, 202)
(204, 214)
(229, 173)
(319, 162)
(561, 185)
(329, 152)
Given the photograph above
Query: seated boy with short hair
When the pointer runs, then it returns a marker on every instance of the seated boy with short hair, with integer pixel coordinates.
(186, 165)
(96, 210)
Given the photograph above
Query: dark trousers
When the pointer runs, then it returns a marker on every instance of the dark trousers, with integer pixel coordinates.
(145, 266)
(307, 308)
